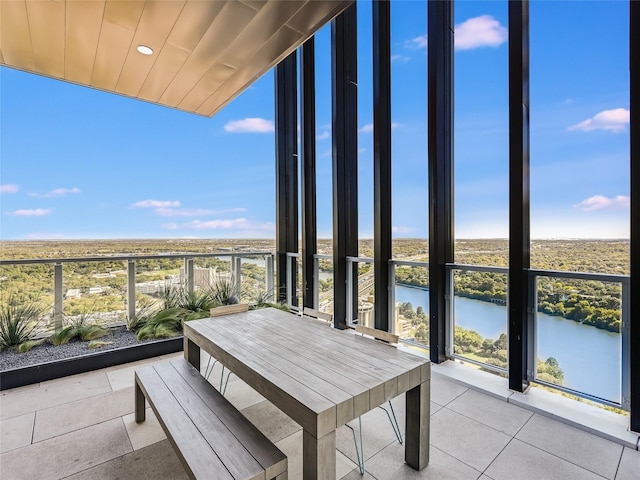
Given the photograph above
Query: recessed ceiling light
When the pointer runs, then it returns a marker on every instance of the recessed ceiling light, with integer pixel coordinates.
(143, 49)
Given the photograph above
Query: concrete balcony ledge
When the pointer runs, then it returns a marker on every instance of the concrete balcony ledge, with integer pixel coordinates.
(32, 374)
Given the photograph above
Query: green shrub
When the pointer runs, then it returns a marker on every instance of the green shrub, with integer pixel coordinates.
(18, 320)
(80, 328)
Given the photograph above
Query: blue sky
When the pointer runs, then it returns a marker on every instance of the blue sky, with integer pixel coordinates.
(77, 163)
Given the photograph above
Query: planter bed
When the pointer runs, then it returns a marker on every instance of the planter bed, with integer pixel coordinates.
(47, 362)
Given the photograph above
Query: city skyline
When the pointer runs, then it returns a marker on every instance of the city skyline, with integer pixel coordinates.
(79, 163)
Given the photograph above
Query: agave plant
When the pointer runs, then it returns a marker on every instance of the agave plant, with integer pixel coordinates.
(18, 320)
(225, 291)
(80, 328)
(146, 311)
(168, 323)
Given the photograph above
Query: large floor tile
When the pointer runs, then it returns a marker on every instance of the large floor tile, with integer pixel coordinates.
(124, 377)
(146, 433)
(271, 421)
(465, 439)
(155, 462)
(291, 446)
(53, 392)
(629, 468)
(71, 416)
(571, 444)
(16, 432)
(444, 391)
(389, 465)
(67, 454)
(525, 462)
(242, 395)
(491, 411)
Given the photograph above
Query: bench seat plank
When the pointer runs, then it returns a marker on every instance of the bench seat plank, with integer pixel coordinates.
(212, 439)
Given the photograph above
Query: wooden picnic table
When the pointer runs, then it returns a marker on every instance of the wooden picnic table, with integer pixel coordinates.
(319, 376)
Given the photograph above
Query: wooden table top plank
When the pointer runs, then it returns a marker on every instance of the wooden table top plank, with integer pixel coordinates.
(372, 354)
(312, 411)
(326, 347)
(321, 353)
(381, 385)
(359, 397)
(269, 339)
(236, 458)
(371, 348)
(390, 359)
(275, 357)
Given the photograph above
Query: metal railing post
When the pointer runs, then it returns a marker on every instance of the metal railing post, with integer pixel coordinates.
(626, 344)
(131, 289)
(316, 282)
(289, 281)
(269, 282)
(532, 347)
(449, 312)
(58, 300)
(237, 271)
(349, 285)
(189, 279)
(391, 289)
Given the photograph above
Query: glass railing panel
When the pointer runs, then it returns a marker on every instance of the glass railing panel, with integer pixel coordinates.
(412, 303)
(94, 292)
(253, 273)
(366, 294)
(480, 316)
(578, 336)
(325, 285)
(29, 285)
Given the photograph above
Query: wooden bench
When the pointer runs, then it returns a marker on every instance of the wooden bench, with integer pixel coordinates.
(211, 437)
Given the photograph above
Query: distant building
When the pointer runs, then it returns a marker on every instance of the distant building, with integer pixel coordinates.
(204, 277)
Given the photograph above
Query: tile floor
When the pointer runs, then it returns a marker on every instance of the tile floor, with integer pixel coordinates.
(82, 427)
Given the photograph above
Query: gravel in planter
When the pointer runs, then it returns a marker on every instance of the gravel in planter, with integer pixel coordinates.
(10, 358)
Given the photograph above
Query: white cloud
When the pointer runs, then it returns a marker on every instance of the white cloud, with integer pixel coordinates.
(36, 212)
(45, 236)
(250, 125)
(8, 188)
(368, 128)
(418, 42)
(58, 192)
(482, 31)
(246, 227)
(157, 203)
(402, 229)
(323, 136)
(217, 224)
(477, 32)
(399, 58)
(193, 212)
(600, 202)
(615, 120)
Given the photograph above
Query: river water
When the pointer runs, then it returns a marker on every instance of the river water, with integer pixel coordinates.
(589, 357)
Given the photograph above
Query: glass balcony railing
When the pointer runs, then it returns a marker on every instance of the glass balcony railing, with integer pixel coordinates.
(479, 313)
(579, 339)
(112, 289)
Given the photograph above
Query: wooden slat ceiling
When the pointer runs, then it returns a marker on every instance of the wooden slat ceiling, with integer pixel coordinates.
(205, 52)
